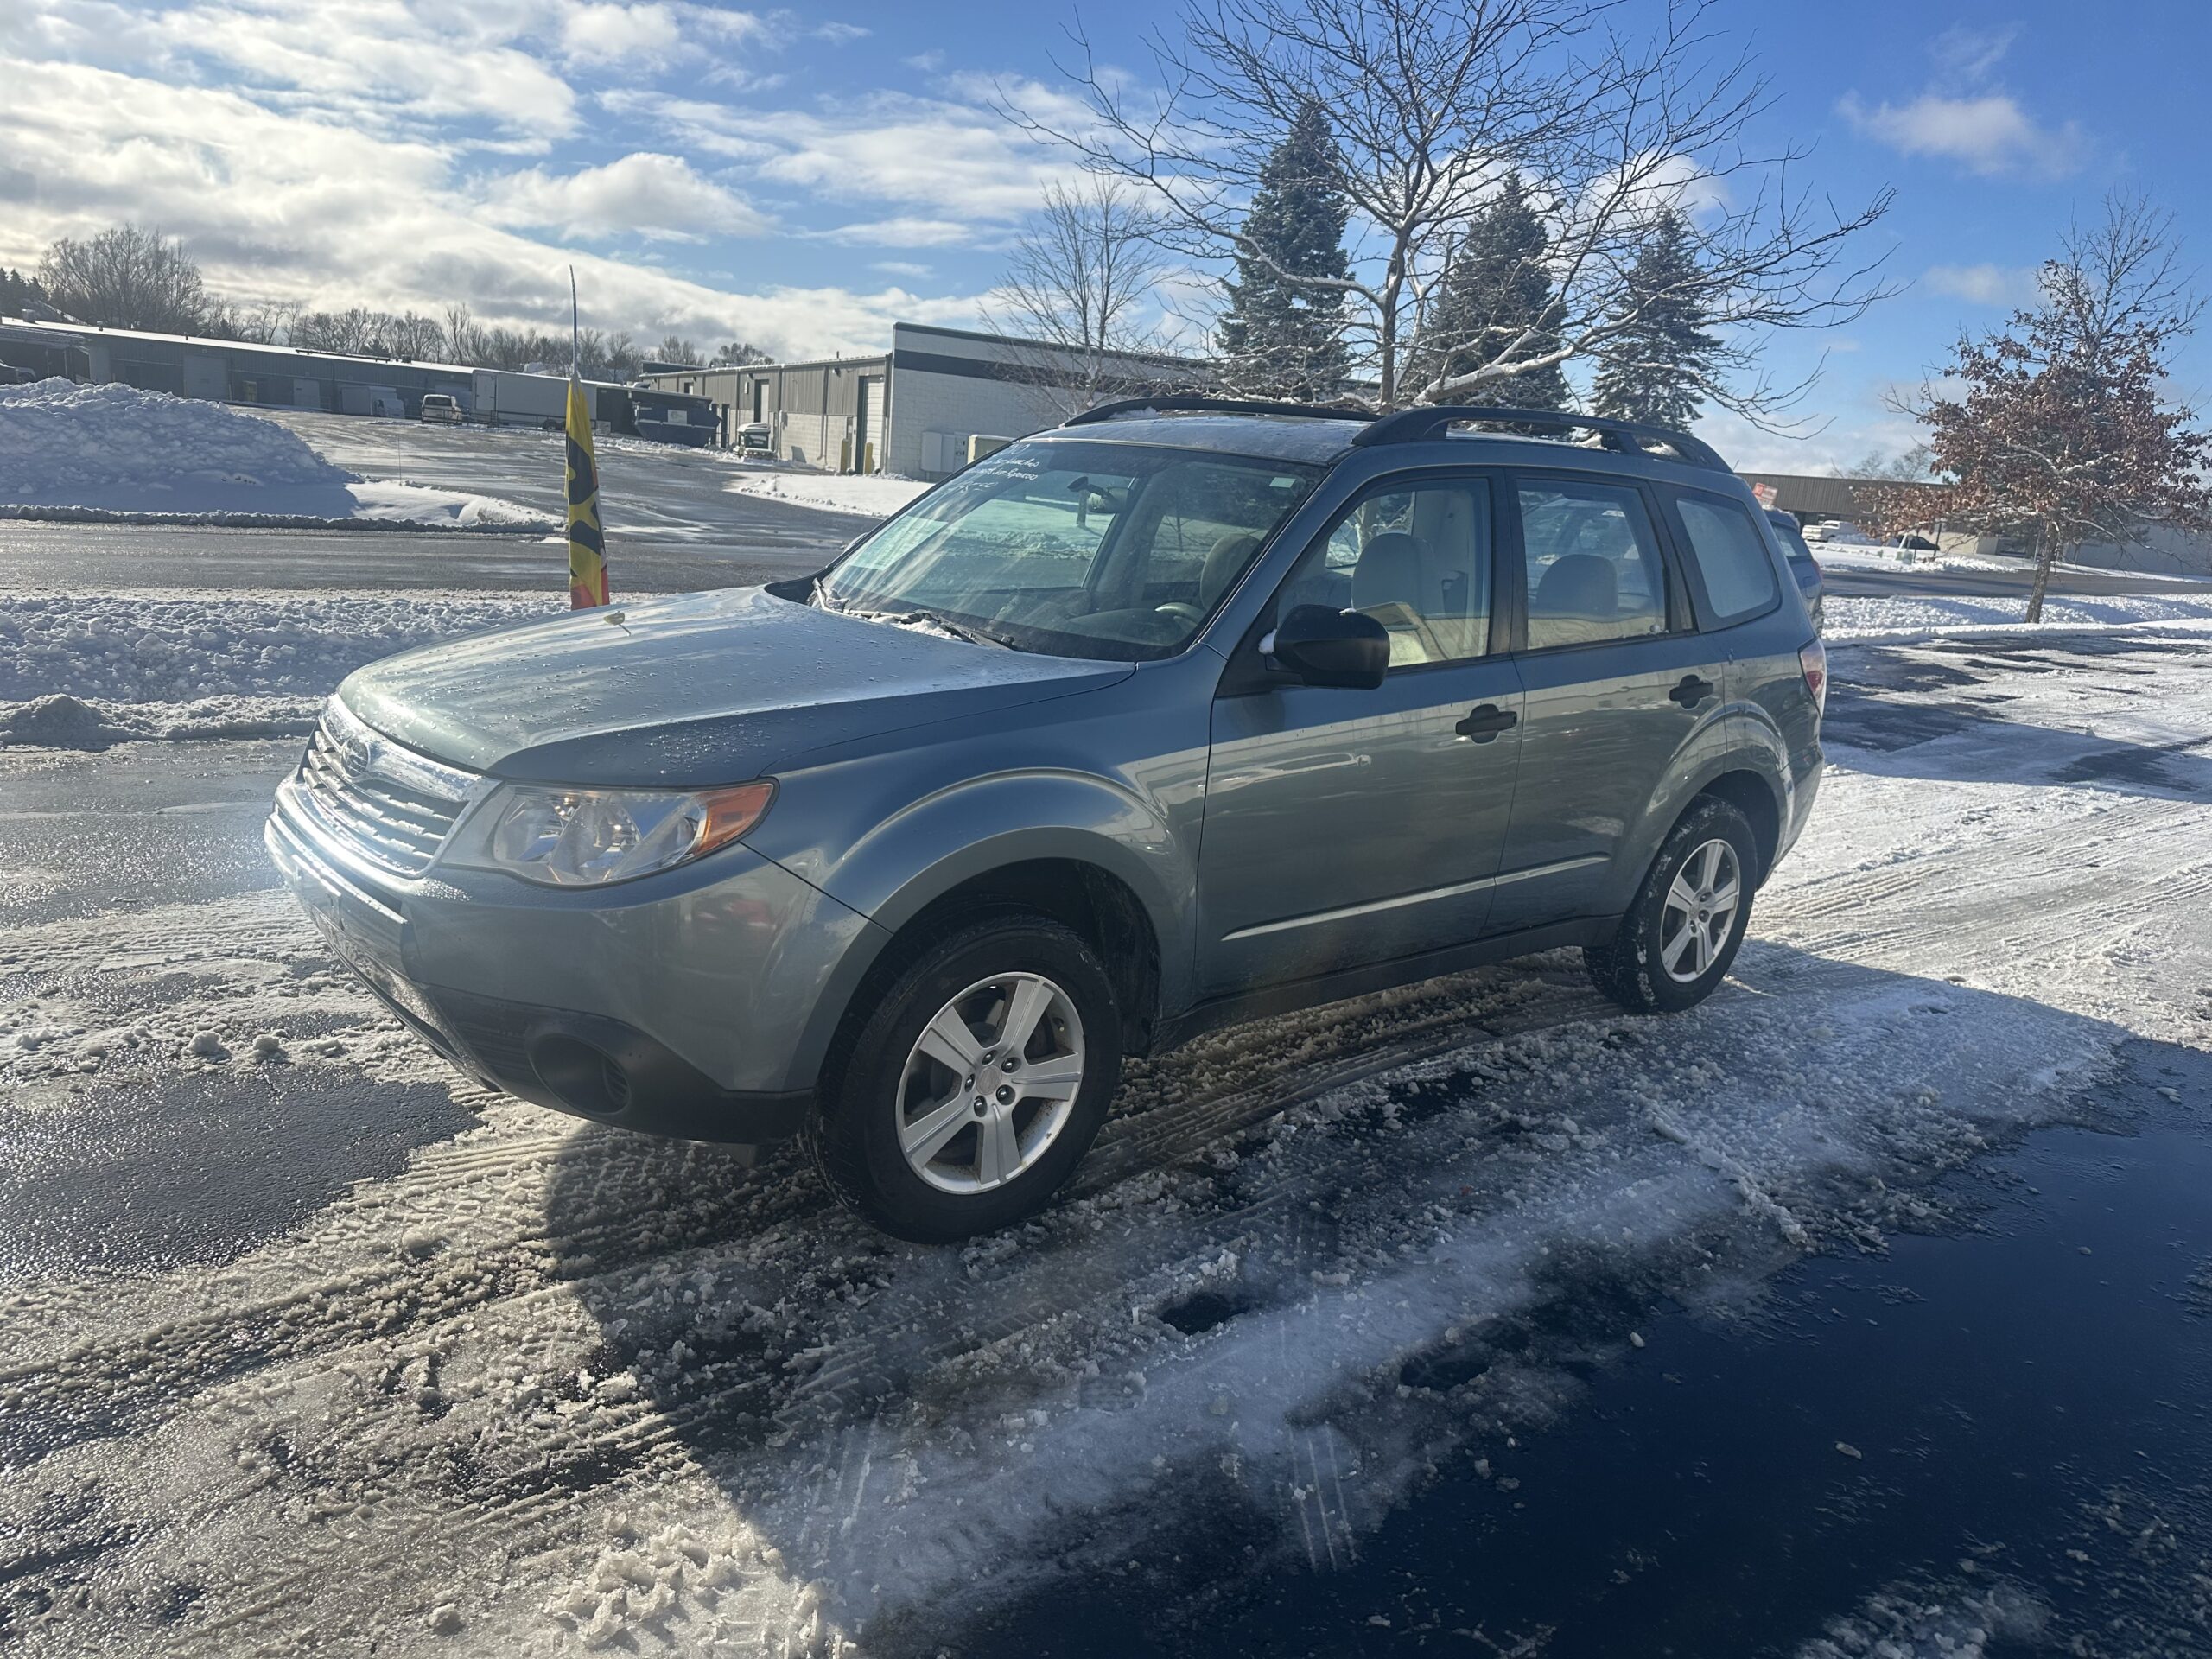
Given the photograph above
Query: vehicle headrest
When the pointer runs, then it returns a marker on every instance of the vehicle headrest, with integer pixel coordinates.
(1579, 584)
(1389, 572)
(1224, 560)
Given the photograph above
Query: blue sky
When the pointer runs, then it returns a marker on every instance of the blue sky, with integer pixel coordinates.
(801, 179)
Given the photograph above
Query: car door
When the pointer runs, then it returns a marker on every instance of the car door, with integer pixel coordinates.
(1617, 680)
(1349, 827)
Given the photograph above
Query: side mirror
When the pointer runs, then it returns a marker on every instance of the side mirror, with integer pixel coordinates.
(1338, 648)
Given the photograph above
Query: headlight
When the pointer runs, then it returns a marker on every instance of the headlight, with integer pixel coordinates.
(589, 837)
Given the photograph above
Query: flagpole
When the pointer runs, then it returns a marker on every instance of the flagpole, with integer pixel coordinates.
(588, 584)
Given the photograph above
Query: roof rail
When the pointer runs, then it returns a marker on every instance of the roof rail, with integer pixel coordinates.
(1183, 403)
(1421, 424)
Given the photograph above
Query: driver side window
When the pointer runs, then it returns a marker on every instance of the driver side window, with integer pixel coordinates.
(1417, 560)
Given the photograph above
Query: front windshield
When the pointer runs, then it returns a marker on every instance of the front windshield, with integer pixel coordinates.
(1080, 549)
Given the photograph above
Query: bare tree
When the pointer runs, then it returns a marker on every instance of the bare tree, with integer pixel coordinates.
(1434, 102)
(623, 358)
(1084, 274)
(464, 337)
(357, 331)
(128, 278)
(266, 322)
(2062, 433)
(415, 337)
(674, 348)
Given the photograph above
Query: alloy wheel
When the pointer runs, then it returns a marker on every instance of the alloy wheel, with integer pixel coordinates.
(1700, 909)
(990, 1083)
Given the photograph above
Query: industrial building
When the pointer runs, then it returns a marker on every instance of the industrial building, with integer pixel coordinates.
(919, 408)
(240, 371)
(1816, 499)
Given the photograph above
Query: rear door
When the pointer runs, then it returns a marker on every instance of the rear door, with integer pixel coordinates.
(1617, 680)
(1345, 827)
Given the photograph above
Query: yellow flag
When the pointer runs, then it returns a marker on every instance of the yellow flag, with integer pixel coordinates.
(586, 542)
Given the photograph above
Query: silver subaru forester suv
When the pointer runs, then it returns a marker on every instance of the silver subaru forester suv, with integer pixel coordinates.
(1186, 712)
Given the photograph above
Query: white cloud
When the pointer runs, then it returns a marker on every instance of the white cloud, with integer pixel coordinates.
(660, 197)
(1971, 55)
(905, 267)
(926, 152)
(1989, 134)
(958, 159)
(280, 204)
(839, 34)
(374, 61)
(1985, 284)
(907, 232)
(612, 32)
(708, 19)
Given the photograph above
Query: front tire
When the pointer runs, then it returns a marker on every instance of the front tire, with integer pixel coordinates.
(1674, 945)
(976, 1082)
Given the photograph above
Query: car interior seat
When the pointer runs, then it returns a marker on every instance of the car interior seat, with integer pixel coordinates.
(1575, 600)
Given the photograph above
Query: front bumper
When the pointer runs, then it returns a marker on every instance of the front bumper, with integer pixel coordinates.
(687, 1004)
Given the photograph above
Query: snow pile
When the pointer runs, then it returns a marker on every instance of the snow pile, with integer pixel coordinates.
(60, 721)
(1903, 618)
(234, 665)
(877, 495)
(115, 452)
(63, 442)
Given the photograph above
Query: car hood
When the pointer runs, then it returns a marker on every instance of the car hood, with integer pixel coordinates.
(696, 689)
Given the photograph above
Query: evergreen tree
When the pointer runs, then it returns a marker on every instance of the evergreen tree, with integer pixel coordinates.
(1283, 335)
(1495, 290)
(1657, 370)
(17, 291)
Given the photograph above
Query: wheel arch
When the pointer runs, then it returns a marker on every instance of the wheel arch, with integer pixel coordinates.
(1116, 896)
(1750, 794)
(1744, 776)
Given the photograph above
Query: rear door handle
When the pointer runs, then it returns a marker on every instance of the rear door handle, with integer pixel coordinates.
(1692, 691)
(1484, 724)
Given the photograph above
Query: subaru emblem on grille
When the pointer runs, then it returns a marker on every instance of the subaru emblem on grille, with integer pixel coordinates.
(357, 750)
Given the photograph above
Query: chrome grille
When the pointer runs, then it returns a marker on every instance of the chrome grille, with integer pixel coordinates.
(394, 807)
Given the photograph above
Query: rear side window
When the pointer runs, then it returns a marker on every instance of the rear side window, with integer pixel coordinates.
(1731, 558)
(1593, 564)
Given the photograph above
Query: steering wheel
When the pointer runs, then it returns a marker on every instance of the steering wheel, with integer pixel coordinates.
(1177, 608)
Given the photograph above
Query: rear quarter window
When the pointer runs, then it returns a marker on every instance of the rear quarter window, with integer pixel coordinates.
(1731, 558)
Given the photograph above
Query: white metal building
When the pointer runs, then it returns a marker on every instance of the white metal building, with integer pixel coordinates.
(285, 377)
(914, 409)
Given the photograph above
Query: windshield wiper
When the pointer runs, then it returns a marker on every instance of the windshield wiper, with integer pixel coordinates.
(968, 632)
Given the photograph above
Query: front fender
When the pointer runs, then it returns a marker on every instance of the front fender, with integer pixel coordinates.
(919, 854)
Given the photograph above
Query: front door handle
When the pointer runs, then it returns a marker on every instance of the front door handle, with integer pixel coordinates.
(1692, 691)
(1484, 724)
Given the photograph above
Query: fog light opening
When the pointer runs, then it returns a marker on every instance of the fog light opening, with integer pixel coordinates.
(586, 1079)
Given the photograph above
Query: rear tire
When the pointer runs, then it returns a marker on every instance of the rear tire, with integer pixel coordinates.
(1679, 935)
(973, 1085)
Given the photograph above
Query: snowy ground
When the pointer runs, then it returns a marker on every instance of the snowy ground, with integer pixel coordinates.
(1863, 555)
(879, 495)
(1931, 616)
(486, 1380)
(114, 452)
(85, 671)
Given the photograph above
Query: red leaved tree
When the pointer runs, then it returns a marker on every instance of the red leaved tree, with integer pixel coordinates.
(2061, 432)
